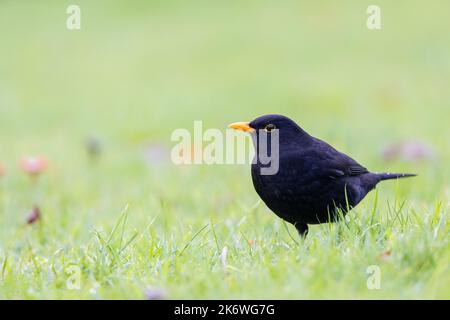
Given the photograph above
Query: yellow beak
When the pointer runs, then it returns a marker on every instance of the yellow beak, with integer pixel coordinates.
(243, 126)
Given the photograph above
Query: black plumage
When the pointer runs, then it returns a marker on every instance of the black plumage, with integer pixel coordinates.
(313, 181)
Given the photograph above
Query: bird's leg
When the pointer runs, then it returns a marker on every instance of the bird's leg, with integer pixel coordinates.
(302, 229)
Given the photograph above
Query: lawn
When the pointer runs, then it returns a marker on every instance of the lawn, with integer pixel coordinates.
(133, 225)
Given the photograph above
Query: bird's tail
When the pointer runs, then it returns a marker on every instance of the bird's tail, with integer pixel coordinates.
(388, 176)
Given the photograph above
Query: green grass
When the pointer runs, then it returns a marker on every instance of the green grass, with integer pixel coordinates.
(134, 73)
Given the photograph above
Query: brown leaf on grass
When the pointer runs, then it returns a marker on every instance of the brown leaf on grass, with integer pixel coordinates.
(33, 166)
(253, 242)
(34, 215)
(2, 170)
(93, 147)
(410, 151)
(385, 255)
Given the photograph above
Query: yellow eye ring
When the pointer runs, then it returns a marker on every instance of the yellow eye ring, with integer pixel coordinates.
(270, 127)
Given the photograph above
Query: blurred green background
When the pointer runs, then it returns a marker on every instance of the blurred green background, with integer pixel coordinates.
(137, 70)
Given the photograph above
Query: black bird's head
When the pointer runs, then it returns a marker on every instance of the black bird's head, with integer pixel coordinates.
(272, 135)
(288, 130)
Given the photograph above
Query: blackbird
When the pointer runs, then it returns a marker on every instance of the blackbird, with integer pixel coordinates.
(314, 182)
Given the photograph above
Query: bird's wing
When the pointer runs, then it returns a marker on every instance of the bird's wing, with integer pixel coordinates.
(336, 164)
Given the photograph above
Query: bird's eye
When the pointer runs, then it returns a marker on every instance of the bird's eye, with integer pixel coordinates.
(270, 127)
